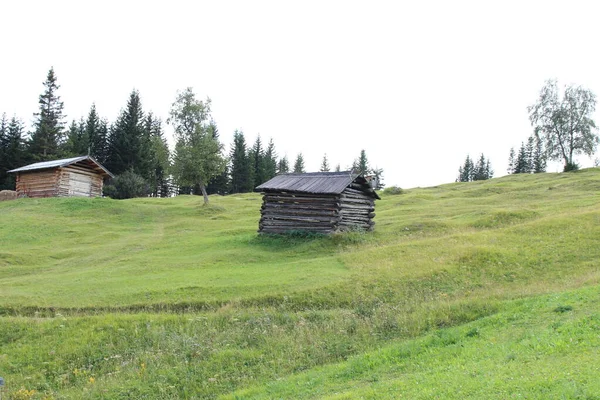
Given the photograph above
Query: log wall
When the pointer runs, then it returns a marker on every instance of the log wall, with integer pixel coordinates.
(282, 212)
(70, 181)
(37, 183)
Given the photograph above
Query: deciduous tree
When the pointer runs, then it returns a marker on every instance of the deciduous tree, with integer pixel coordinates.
(198, 155)
(565, 122)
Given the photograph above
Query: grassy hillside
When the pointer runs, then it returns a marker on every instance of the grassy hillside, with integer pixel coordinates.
(165, 298)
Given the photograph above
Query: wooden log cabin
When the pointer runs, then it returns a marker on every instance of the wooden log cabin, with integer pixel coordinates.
(70, 177)
(318, 202)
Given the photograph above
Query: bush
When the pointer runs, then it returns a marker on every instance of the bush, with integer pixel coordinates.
(393, 190)
(126, 186)
(571, 167)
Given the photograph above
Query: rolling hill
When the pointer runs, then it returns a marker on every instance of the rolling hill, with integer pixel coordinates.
(467, 290)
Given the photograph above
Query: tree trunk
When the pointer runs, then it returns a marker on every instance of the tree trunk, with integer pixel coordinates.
(203, 190)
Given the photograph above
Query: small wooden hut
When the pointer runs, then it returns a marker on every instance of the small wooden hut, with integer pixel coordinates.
(70, 177)
(320, 202)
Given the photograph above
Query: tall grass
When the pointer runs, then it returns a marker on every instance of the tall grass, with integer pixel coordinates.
(165, 298)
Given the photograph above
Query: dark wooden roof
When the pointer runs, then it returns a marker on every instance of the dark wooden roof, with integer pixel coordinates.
(316, 182)
(83, 160)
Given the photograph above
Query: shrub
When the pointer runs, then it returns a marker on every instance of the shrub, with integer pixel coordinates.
(393, 190)
(571, 166)
(126, 186)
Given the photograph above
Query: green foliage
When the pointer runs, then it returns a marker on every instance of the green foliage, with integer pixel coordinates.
(77, 140)
(299, 164)
(97, 135)
(470, 171)
(48, 134)
(283, 166)
(324, 164)
(240, 165)
(565, 121)
(166, 298)
(198, 153)
(127, 185)
(128, 141)
(12, 150)
(393, 190)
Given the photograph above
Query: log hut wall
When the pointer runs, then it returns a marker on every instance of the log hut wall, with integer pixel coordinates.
(283, 212)
(69, 181)
(37, 183)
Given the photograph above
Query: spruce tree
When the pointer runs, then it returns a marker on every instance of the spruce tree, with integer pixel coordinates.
(77, 143)
(239, 169)
(257, 165)
(218, 184)
(270, 161)
(97, 134)
(324, 164)
(283, 166)
(479, 172)
(361, 165)
(13, 150)
(127, 137)
(522, 162)
(48, 134)
(529, 154)
(467, 171)
(157, 157)
(511, 161)
(3, 150)
(338, 167)
(299, 164)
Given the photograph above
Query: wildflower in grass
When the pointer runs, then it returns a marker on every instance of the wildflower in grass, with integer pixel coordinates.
(92, 379)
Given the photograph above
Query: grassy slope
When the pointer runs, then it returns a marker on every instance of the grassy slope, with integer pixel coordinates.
(260, 309)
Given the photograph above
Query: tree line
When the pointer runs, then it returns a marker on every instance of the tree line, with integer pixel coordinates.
(563, 127)
(135, 150)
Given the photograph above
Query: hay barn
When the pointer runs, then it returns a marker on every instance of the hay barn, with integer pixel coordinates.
(319, 202)
(70, 177)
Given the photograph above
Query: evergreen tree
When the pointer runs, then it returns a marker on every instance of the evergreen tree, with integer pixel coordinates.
(361, 165)
(324, 164)
(218, 184)
(77, 143)
(511, 161)
(48, 134)
(12, 150)
(338, 167)
(488, 170)
(257, 165)
(299, 164)
(270, 161)
(522, 163)
(539, 156)
(480, 171)
(467, 171)
(3, 151)
(283, 166)
(97, 135)
(158, 158)
(529, 154)
(239, 169)
(126, 141)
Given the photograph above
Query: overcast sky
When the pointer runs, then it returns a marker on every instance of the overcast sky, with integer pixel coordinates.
(418, 85)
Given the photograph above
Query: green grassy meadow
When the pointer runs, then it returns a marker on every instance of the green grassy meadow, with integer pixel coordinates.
(473, 290)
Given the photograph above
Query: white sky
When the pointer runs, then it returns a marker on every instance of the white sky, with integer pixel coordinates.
(418, 85)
